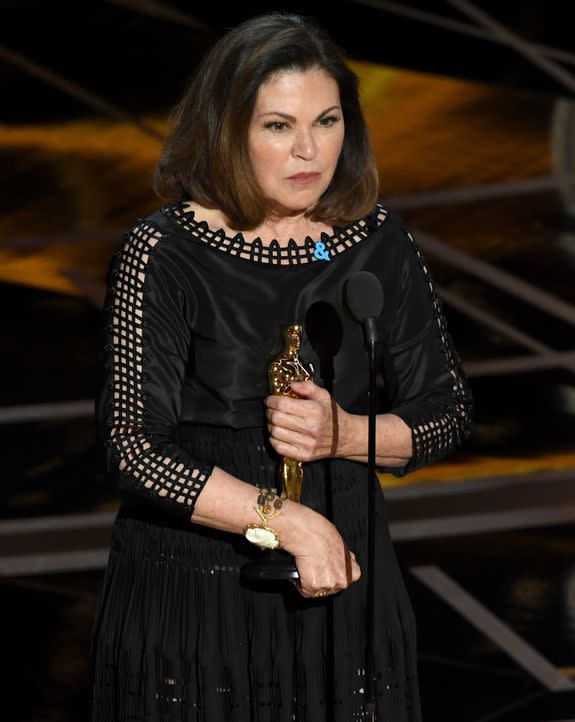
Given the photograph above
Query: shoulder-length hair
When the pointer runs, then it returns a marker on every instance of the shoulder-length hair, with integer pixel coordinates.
(206, 155)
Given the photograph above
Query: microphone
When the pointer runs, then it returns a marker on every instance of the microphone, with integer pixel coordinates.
(364, 297)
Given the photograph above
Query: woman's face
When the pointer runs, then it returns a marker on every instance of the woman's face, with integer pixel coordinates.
(295, 138)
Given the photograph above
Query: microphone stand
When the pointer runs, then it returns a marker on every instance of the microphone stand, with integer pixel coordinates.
(364, 297)
(370, 691)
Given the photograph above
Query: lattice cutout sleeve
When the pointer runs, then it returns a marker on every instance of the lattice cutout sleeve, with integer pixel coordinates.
(143, 355)
(423, 375)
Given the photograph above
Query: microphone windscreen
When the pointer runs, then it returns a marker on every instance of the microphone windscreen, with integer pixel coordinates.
(364, 295)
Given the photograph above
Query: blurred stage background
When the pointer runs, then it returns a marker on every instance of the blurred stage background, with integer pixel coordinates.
(471, 111)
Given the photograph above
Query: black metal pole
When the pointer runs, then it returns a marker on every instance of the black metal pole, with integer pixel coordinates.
(364, 297)
(370, 683)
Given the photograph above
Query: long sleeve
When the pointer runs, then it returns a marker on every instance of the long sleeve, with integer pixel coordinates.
(144, 347)
(423, 376)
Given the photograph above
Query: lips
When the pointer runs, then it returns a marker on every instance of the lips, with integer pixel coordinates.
(304, 177)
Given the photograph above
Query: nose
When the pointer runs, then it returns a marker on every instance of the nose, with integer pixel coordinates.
(304, 145)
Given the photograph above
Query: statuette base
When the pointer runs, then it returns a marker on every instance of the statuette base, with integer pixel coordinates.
(271, 565)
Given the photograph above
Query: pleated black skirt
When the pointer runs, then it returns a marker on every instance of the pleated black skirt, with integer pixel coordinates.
(179, 636)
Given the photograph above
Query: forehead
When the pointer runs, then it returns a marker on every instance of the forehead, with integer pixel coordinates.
(313, 86)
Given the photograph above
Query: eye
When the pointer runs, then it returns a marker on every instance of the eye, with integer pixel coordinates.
(276, 125)
(329, 120)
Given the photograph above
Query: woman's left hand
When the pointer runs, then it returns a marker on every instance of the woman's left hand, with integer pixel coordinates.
(307, 428)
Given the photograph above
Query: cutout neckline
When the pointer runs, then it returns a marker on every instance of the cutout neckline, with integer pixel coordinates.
(310, 251)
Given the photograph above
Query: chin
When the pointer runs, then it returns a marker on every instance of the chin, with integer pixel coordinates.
(301, 202)
(296, 210)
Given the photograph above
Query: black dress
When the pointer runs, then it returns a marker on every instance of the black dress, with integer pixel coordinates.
(190, 321)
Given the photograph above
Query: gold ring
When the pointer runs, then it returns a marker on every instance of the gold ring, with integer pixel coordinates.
(321, 593)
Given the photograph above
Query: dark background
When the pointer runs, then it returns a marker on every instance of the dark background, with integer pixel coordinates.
(121, 51)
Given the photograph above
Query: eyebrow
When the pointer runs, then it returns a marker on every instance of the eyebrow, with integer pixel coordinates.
(290, 117)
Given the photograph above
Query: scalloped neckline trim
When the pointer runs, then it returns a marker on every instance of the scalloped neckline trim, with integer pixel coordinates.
(294, 254)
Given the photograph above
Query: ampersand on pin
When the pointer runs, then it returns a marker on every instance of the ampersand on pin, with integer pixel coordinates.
(320, 253)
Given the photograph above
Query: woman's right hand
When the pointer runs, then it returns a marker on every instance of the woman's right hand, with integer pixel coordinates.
(323, 559)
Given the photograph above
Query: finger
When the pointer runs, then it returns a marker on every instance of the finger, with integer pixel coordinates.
(282, 420)
(305, 593)
(290, 451)
(289, 405)
(297, 585)
(309, 389)
(290, 436)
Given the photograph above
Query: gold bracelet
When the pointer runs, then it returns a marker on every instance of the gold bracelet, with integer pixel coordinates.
(269, 503)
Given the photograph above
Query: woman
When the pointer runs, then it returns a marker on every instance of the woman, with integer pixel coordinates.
(273, 191)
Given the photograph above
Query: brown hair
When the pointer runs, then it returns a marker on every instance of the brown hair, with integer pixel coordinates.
(206, 156)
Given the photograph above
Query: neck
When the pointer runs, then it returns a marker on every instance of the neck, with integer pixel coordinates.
(276, 225)
(280, 225)
(297, 226)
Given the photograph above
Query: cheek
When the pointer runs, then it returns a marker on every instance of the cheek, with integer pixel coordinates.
(266, 157)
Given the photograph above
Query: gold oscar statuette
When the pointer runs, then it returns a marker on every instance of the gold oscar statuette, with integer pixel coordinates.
(284, 368)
